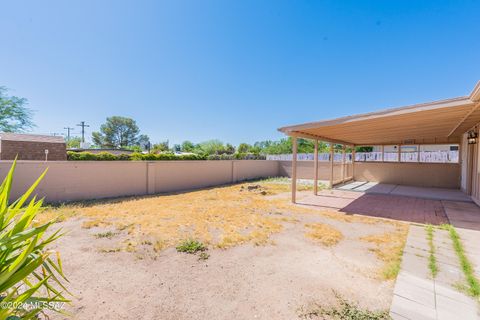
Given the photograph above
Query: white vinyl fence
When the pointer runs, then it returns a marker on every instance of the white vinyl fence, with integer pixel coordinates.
(425, 156)
(337, 157)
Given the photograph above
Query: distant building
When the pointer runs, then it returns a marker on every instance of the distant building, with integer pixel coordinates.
(32, 147)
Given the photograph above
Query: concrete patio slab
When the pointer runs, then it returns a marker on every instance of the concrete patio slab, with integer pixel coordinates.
(431, 193)
(408, 191)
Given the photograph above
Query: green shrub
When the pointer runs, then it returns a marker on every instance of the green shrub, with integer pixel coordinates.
(81, 156)
(236, 156)
(191, 246)
(105, 156)
(123, 157)
(30, 280)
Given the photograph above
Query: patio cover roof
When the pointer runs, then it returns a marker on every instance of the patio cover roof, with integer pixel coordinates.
(435, 122)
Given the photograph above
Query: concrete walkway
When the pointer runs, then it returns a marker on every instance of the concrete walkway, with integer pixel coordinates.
(417, 295)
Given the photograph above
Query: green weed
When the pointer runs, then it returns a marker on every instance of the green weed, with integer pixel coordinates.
(191, 246)
(432, 260)
(472, 281)
(108, 235)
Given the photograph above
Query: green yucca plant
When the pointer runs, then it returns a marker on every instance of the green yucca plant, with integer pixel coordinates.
(31, 280)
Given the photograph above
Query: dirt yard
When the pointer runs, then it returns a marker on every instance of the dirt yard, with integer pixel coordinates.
(266, 258)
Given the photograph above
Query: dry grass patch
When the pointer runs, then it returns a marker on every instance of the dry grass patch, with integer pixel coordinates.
(323, 233)
(221, 217)
(389, 249)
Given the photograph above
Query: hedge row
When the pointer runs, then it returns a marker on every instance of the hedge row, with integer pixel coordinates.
(237, 156)
(106, 156)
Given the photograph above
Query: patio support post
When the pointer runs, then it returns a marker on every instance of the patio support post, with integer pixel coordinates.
(399, 153)
(353, 162)
(331, 165)
(294, 169)
(418, 153)
(315, 168)
(343, 164)
(383, 153)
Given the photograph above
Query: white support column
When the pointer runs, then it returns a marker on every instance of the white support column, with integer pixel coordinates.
(331, 165)
(353, 162)
(315, 168)
(294, 169)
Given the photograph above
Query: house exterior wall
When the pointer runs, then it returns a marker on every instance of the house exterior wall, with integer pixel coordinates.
(463, 163)
(29, 150)
(305, 170)
(440, 175)
(471, 167)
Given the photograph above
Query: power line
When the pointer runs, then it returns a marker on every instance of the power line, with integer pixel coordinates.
(83, 125)
(69, 130)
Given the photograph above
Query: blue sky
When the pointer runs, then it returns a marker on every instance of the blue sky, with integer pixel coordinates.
(232, 70)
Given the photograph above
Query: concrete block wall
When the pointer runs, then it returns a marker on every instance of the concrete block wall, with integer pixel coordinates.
(82, 180)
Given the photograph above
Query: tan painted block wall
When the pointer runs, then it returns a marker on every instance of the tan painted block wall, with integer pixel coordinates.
(186, 175)
(251, 169)
(305, 170)
(78, 180)
(81, 180)
(440, 175)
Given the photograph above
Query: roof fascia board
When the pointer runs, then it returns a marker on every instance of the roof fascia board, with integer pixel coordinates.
(475, 95)
(455, 102)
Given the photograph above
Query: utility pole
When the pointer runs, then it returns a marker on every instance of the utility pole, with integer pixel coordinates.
(69, 130)
(83, 125)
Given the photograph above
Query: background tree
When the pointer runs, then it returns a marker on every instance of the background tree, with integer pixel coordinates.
(187, 146)
(117, 132)
(284, 146)
(364, 149)
(229, 149)
(244, 148)
(14, 115)
(213, 146)
(160, 147)
(143, 142)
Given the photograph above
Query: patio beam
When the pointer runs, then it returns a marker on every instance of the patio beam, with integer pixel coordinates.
(315, 168)
(294, 169)
(299, 134)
